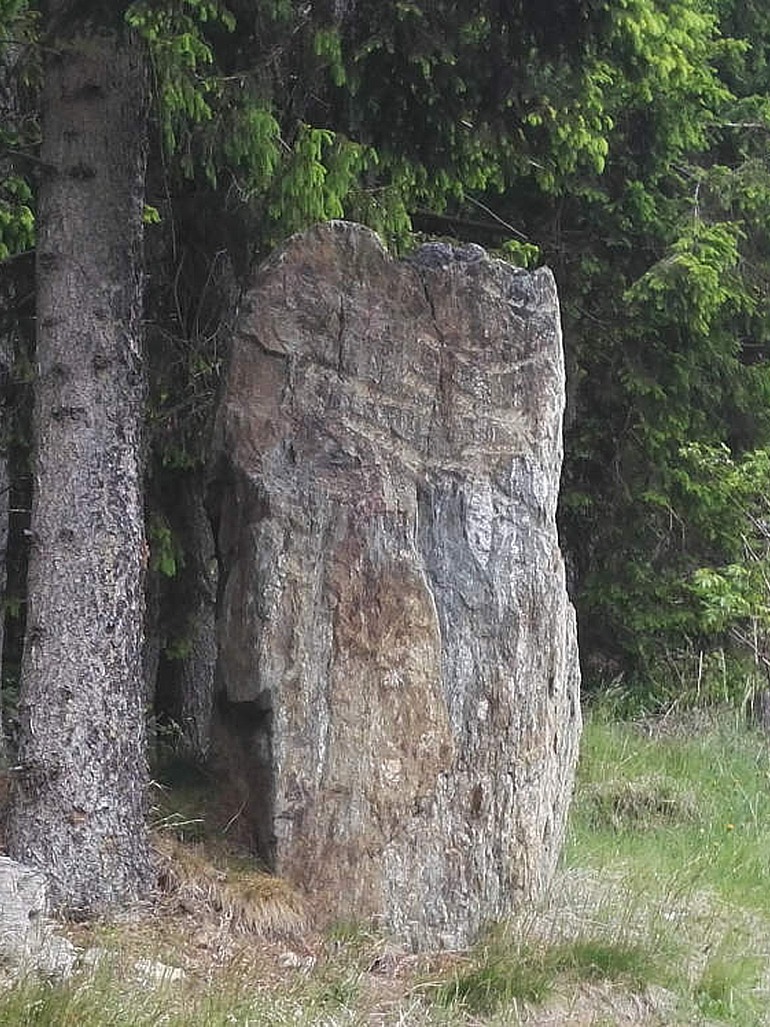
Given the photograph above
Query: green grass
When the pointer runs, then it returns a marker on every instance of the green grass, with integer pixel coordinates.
(662, 903)
(726, 988)
(509, 972)
(676, 816)
(690, 806)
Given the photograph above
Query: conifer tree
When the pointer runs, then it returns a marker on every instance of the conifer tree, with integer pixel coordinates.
(80, 777)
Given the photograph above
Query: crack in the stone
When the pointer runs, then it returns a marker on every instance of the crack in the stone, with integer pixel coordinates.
(340, 336)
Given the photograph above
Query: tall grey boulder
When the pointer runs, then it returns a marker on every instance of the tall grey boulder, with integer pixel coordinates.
(398, 674)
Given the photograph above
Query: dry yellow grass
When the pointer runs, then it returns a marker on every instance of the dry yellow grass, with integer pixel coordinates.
(247, 899)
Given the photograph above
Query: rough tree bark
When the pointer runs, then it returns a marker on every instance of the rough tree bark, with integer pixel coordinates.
(5, 484)
(78, 804)
(8, 114)
(197, 668)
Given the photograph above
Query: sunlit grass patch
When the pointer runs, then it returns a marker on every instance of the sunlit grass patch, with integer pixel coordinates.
(498, 979)
(507, 972)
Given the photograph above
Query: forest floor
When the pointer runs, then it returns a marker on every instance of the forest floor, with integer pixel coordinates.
(660, 915)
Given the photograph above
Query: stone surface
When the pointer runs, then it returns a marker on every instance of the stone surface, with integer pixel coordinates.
(151, 972)
(27, 941)
(398, 676)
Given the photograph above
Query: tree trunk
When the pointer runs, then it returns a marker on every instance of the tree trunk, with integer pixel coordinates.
(78, 806)
(196, 668)
(8, 118)
(181, 663)
(5, 487)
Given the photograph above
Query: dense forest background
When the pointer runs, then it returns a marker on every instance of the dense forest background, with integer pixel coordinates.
(624, 143)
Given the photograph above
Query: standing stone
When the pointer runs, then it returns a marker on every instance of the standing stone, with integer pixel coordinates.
(398, 668)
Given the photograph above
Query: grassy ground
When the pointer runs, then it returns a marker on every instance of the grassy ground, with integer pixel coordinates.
(660, 915)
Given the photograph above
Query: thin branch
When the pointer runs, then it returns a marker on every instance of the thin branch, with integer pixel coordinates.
(497, 218)
(757, 126)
